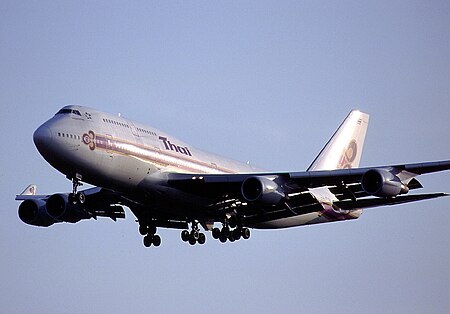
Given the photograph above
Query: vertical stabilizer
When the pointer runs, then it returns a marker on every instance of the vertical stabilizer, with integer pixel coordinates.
(30, 190)
(344, 149)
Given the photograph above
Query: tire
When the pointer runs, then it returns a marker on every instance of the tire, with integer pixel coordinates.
(143, 230)
(225, 232)
(216, 233)
(246, 233)
(81, 197)
(192, 240)
(201, 238)
(148, 241)
(156, 240)
(237, 234)
(185, 235)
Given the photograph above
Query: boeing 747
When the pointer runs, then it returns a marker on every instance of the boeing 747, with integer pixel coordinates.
(168, 183)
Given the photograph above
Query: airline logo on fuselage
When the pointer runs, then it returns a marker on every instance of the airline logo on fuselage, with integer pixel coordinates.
(170, 146)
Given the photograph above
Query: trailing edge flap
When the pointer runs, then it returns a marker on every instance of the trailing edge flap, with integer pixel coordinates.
(375, 202)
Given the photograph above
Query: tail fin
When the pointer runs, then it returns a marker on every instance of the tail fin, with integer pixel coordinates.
(30, 190)
(344, 149)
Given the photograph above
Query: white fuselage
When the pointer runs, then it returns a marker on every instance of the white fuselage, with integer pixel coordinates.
(113, 151)
(123, 155)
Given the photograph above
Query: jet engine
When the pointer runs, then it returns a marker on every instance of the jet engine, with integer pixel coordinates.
(263, 190)
(382, 183)
(59, 207)
(33, 212)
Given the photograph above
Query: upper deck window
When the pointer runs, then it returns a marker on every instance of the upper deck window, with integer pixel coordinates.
(67, 111)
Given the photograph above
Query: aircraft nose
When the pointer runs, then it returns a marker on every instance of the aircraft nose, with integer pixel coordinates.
(42, 137)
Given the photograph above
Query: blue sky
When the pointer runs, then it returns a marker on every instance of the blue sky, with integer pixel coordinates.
(259, 81)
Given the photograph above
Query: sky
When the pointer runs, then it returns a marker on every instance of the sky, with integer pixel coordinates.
(260, 81)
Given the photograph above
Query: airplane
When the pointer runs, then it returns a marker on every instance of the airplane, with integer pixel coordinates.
(167, 183)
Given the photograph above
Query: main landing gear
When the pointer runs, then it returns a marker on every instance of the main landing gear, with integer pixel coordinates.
(226, 234)
(194, 236)
(76, 197)
(232, 230)
(150, 236)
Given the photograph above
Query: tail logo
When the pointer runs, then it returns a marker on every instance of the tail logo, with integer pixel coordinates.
(348, 156)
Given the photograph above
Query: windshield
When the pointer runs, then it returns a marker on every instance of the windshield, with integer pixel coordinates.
(68, 111)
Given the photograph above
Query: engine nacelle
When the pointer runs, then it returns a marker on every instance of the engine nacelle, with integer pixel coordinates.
(382, 183)
(263, 190)
(33, 212)
(59, 207)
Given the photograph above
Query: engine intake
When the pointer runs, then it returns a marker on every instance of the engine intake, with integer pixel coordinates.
(59, 207)
(263, 190)
(56, 205)
(382, 183)
(33, 212)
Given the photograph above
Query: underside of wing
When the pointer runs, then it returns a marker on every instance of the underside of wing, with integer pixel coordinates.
(259, 197)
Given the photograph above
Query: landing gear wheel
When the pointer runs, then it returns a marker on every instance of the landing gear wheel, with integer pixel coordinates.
(223, 239)
(192, 240)
(236, 234)
(143, 230)
(148, 239)
(216, 233)
(156, 240)
(195, 234)
(81, 197)
(201, 238)
(245, 233)
(185, 235)
(225, 232)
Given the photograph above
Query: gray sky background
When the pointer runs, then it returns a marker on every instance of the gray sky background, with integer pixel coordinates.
(263, 81)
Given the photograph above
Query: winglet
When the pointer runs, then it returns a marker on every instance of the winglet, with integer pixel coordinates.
(344, 149)
(30, 190)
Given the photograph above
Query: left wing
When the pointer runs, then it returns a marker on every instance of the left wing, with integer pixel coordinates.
(45, 210)
(259, 197)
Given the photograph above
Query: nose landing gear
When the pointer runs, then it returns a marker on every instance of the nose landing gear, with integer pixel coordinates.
(76, 197)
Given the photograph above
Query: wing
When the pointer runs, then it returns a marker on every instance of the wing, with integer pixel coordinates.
(45, 210)
(262, 197)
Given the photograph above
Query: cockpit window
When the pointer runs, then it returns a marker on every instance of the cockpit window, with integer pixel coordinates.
(64, 111)
(67, 111)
